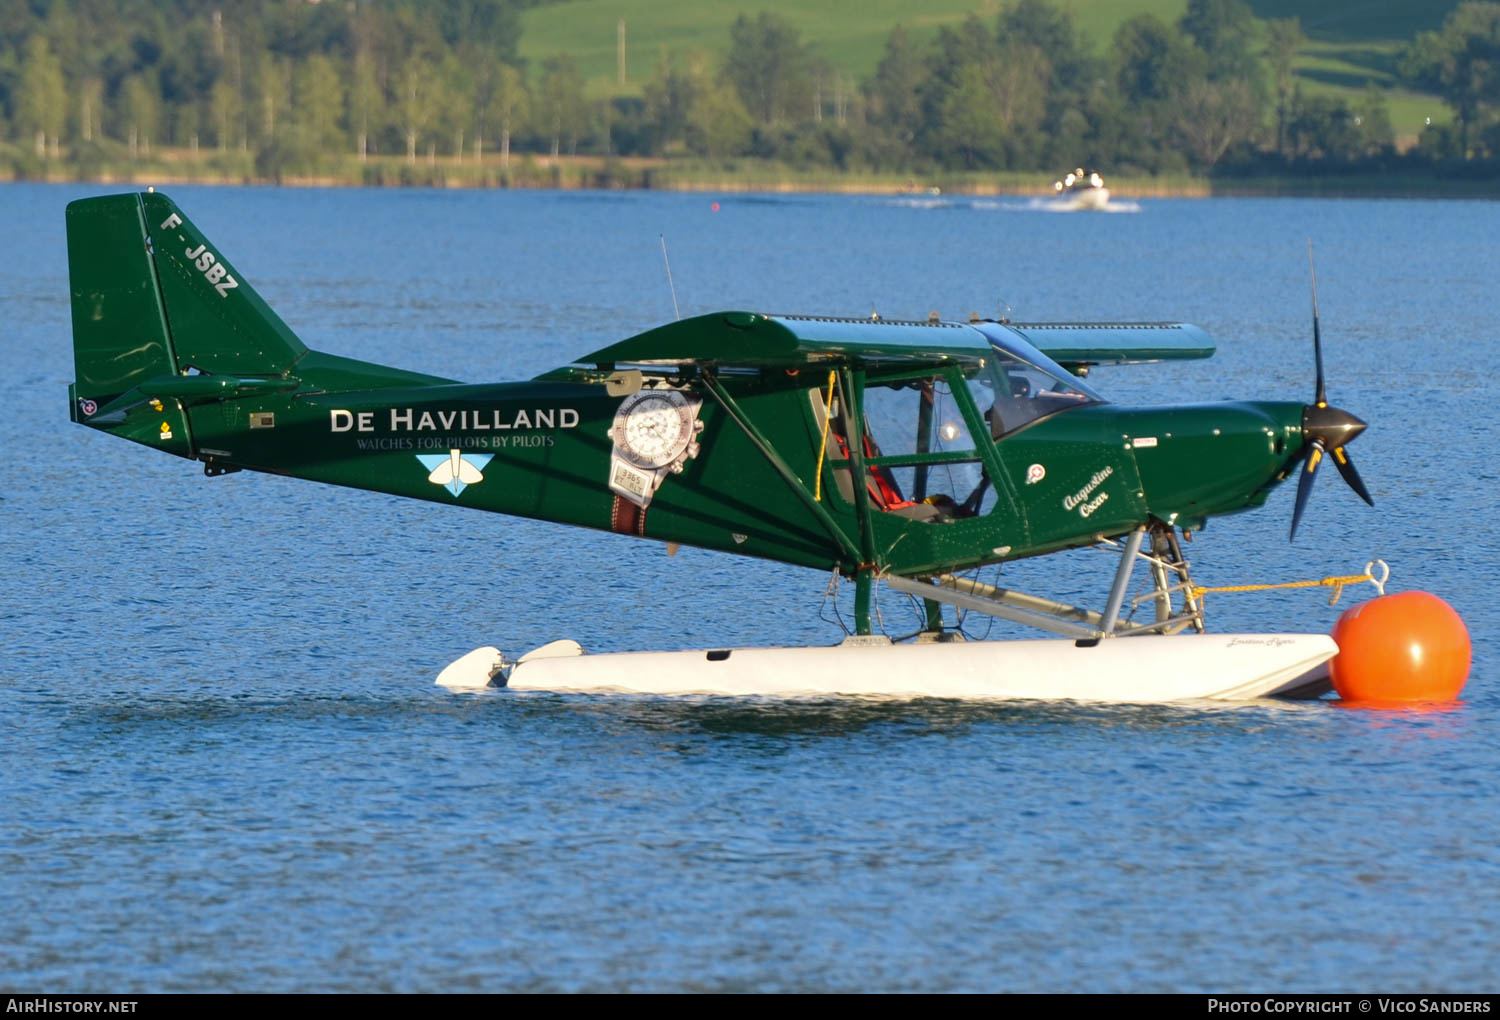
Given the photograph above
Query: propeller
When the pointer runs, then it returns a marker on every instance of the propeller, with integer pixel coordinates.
(1327, 430)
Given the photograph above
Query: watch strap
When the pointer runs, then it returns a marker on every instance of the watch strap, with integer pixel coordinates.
(627, 518)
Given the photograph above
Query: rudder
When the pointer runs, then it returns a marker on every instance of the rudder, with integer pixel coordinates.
(120, 336)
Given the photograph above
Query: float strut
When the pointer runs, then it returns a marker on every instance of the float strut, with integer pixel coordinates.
(934, 615)
(1122, 580)
(1161, 548)
(864, 585)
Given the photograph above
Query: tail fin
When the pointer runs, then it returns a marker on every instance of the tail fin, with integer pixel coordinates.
(152, 295)
(162, 321)
(154, 300)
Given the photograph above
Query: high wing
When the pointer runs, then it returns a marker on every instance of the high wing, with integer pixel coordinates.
(791, 342)
(1078, 346)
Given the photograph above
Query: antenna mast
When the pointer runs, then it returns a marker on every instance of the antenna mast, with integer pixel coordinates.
(675, 310)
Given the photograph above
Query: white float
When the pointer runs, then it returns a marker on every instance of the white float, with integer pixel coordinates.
(1145, 668)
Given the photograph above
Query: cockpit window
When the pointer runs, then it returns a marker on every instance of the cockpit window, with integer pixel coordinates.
(922, 461)
(1021, 385)
(1012, 393)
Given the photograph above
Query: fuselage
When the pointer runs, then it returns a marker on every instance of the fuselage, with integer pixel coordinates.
(905, 447)
(542, 449)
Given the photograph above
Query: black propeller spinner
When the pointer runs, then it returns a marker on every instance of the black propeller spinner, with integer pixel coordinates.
(1324, 428)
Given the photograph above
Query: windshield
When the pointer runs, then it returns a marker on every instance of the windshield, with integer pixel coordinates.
(1021, 384)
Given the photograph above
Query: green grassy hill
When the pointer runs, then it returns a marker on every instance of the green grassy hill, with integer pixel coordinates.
(850, 33)
(1351, 42)
(1358, 20)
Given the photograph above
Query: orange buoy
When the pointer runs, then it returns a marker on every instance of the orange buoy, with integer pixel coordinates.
(1406, 647)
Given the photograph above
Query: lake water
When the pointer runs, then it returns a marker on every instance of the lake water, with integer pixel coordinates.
(226, 766)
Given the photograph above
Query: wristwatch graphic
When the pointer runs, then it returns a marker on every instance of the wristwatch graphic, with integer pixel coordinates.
(654, 432)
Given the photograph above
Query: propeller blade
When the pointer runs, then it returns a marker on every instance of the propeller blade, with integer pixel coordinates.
(1322, 398)
(1304, 483)
(1324, 428)
(1346, 469)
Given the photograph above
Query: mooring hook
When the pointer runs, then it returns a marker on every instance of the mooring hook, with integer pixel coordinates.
(1385, 574)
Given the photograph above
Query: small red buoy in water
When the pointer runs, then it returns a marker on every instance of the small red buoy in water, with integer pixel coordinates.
(1406, 647)
(715, 207)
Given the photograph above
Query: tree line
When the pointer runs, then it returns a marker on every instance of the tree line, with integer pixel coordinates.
(287, 87)
(282, 84)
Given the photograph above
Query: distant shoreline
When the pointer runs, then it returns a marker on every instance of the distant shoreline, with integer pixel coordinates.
(736, 177)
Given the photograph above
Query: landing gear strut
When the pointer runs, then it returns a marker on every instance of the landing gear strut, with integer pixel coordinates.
(1171, 592)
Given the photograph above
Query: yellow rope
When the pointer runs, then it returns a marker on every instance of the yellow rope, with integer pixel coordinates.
(1336, 583)
(822, 450)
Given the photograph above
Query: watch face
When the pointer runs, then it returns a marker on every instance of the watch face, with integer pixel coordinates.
(653, 427)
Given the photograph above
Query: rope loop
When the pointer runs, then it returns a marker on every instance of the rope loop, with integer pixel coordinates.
(1336, 583)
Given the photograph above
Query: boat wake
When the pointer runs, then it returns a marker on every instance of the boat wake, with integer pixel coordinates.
(923, 202)
(1052, 205)
(1030, 205)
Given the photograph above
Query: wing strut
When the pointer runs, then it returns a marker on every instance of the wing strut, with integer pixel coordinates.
(852, 408)
(848, 548)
